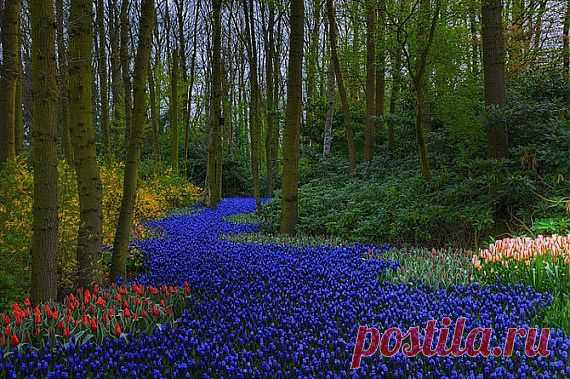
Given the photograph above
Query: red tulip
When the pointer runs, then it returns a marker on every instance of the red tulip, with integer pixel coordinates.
(7, 331)
(6, 319)
(186, 288)
(66, 333)
(127, 312)
(15, 340)
(27, 302)
(93, 325)
(153, 290)
(100, 302)
(37, 315)
(86, 296)
(118, 329)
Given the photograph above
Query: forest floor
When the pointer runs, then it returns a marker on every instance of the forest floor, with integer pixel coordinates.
(294, 311)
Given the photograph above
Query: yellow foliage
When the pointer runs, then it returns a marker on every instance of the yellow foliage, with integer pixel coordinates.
(155, 197)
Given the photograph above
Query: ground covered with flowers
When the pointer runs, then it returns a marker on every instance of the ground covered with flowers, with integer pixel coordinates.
(268, 310)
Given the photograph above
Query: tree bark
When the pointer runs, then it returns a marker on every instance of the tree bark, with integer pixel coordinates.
(254, 127)
(191, 84)
(11, 71)
(381, 65)
(142, 62)
(328, 133)
(174, 135)
(331, 12)
(293, 120)
(427, 22)
(214, 137)
(271, 156)
(102, 65)
(396, 72)
(125, 69)
(44, 152)
(84, 138)
(566, 42)
(494, 72)
(312, 62)
(117, 91)
(370, 131)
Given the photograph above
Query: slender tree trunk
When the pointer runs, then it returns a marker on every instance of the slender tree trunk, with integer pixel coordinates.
(328, 133)
(154, 114)
(381, 65)
(341, 89)
(474, 39)
(427, 22)
(102, 65)
(566, 42)
(11, 71)
(84, 137)
(271, 156)
(214, 137)
(395, 94)
(44, 152)
(370, 131)
(19, 109)
(494, 72)
(125, 69)
(117, 91)
(293, 120)
(191, 84)
(142, 62)
(312, 62)
(174, 135)
(254, 128)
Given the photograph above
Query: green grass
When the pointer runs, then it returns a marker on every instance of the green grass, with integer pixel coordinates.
(433, 268)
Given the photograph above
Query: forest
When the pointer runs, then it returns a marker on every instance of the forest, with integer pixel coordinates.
(285, 188)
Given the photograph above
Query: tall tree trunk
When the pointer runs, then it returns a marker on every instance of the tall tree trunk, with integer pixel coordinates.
(370, 131)
(331, 12)
(19, 109)
(142, 62)
(312, 62)
(396, 72)
(214, 137)
(494, 72)
(328, 133)
(474, 39)
(44, 152)
(102, 65)
(381, 65)
(254, 127)
(154, 114)
(427, 22)
(117, 91)
(11, 72)
(566, 42)
(84, 137)
(293, 120)
(191, 84)
(125, 69)
(174, 135)
(271, 156)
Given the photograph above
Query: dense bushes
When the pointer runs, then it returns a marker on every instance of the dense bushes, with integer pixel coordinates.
(159, 192)
(469, 198)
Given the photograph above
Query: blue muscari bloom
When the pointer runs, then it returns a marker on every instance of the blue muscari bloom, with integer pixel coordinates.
(272, 310)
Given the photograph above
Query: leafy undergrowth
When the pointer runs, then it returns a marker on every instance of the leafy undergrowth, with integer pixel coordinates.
(157, 195)
(284, 311)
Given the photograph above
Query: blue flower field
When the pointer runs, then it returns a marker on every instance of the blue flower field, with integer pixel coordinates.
(276, 311)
